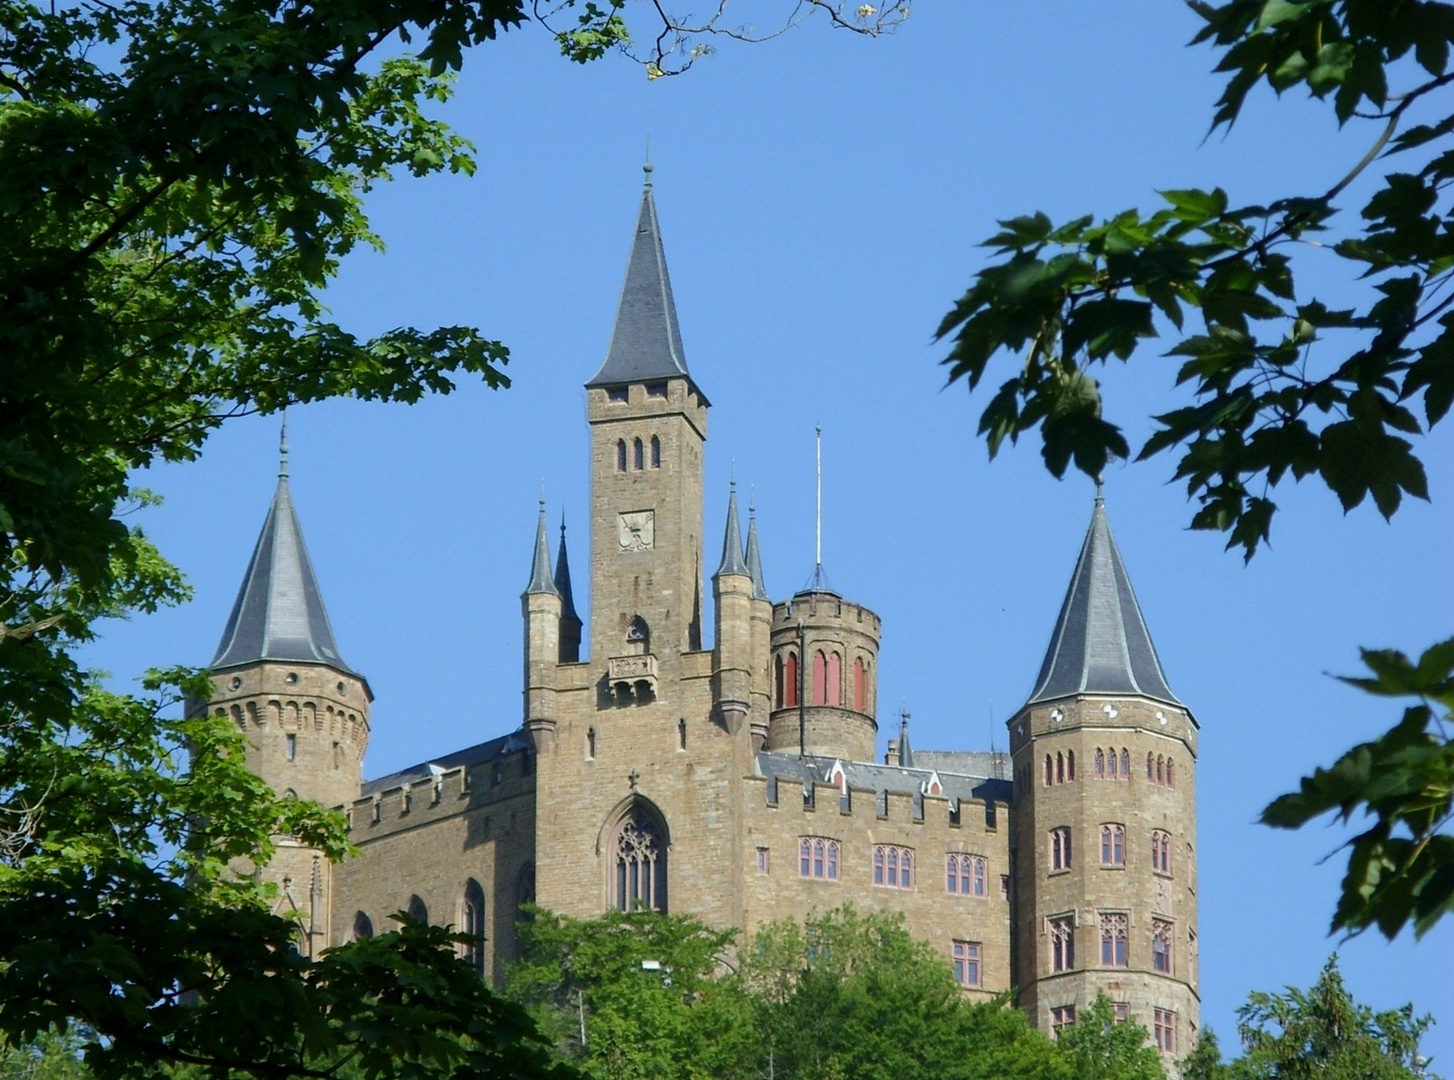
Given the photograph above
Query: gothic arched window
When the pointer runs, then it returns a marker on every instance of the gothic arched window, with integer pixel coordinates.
(1125, 764)
(640, 853)
(777, 672)
(474, 926)
(835, 680)
(790, 682)
(860, 691)
(638, 455)
(417, 910)
(655, 452)
(363, 927)
(1101, 764)
(820, 679)
(620, 455)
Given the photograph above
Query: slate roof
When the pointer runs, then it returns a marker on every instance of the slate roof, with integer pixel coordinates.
(540, 579)
(869, 776)
(732, 561)
(1100, 644)
(646, 342)
(279, 613)
(468, 757)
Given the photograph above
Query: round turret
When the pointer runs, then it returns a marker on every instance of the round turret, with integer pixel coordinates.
(824, 674)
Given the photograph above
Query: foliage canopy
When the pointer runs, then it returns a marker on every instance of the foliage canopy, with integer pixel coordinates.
(1280, 384)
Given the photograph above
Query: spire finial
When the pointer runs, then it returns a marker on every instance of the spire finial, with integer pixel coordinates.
(818, 547)
(646, 166)
(1100, 494)
(562, 523)
(283, 448)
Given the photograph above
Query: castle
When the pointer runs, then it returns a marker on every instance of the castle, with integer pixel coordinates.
(739, 782)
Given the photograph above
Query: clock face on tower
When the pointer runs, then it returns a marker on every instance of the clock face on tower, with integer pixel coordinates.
(638, 530)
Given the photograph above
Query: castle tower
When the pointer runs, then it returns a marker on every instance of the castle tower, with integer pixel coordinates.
(1105, 817)
(761, 636)
(541, 606)
(732, 593)
(648, 422)
(824, 675)
(303, 712)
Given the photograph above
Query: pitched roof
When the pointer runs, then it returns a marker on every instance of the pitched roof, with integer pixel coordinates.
(279, 613)
(646, 342)
(754, 557)
(1100, 643)
(732, 562)
(540, 579)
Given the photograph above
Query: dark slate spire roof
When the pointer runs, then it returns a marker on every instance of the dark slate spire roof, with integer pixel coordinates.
(540, 579)
(646, 343)
(562, 578)
(732, 562)
(1101, 644)
(279, 614)
(754, 557)
(906, 752)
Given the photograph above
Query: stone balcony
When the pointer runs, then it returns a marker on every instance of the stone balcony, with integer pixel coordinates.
(632, 678)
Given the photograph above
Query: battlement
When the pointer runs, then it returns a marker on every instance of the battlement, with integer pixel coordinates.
(495, 773)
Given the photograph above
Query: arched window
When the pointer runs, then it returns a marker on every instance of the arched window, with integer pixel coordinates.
(1150, 767)
(1161, 851)
(682, 734)
(977, 877)
(893, 867)
(835, 680)
(655, 452)
(638, 636)
(473, 926)
(777, 682)
(525, 892)
(620, 455)
(1111, 772)
(417, 911)
(590, 743)
(818, 858)
(640, 861)
(1114, 927)
(1059, 768)
(638, 455)
(1160, 770)
(1049, 771)
(820, 679)
(1070, 764)
(1113, 845)
(1170, 781)
(1060, 848)
(790, 682)
(1161, 946)
(363, 927)
(859, 695)
(1125, 764)
(1100, 765)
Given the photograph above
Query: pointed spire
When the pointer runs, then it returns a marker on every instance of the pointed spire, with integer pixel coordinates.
(562, 577)
(754, 556)
(279, 613)
(540, 579)
(283, 448)
(646, 343)
(906, 752)
(732, 542)
(1100, 643)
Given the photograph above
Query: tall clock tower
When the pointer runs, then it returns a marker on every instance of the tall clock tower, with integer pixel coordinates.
(648, 422)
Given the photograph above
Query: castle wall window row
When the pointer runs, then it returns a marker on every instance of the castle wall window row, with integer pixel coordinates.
(1160, 771)
(893, 866)
(966, 875)
(818, 858)
(1163, 1028)
(1111, 765)
(1059, 768)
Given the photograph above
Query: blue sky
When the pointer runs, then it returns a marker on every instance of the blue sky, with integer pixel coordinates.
(822, 198)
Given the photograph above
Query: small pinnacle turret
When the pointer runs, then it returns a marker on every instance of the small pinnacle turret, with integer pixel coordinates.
(279, 612)
(541, 581)
(754, 556)
(570, 621)
(1100, 643)
(732, 561)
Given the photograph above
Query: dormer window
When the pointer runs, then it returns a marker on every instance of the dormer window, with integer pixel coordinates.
(656, 389)
(618, 395)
